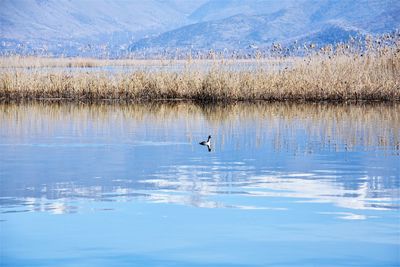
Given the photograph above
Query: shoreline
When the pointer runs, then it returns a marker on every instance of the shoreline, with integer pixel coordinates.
(67, 101)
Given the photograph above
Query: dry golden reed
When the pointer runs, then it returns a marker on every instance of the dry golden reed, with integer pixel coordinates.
(340, 76)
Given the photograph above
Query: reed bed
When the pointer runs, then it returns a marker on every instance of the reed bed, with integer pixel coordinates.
(342, 74)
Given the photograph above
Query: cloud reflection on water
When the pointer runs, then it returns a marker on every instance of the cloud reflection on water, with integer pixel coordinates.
(298, 187)
(207, 189)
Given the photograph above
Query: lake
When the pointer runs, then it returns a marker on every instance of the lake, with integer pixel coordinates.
(129, 185)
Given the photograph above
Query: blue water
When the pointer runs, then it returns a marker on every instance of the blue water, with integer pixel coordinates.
(129, 185)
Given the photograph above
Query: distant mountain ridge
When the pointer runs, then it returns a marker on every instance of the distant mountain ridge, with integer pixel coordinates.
(306, 20)
(74, 26)
(114, 28)
(63, 19)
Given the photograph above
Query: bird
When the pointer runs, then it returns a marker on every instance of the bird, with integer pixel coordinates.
(206, 143)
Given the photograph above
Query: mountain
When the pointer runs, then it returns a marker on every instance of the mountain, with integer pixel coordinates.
(220, 9)
(230, 33)
(112, 28)
(73, 23)
(65, 19)
(265, 22)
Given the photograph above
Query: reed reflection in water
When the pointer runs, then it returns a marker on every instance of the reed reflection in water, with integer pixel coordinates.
(369, 125)
(318, 152)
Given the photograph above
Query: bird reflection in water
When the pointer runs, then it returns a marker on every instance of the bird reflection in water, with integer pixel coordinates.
(207, 143)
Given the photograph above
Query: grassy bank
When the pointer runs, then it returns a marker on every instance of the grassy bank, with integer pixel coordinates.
(370, 75)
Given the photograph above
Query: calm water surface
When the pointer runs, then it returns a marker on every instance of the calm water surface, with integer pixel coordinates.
(129, 185)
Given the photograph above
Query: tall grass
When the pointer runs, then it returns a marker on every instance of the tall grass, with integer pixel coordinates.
(370, 73)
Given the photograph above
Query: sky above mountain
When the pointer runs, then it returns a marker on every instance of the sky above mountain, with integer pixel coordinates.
(161, 24)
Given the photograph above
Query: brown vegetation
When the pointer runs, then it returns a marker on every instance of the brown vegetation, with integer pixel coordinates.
(340, 74)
